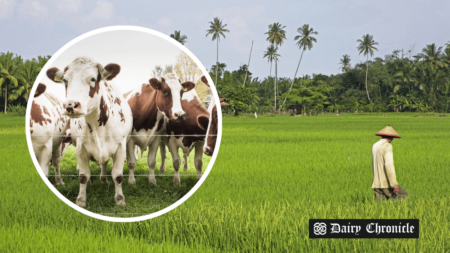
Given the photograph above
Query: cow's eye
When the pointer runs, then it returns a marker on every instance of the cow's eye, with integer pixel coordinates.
(165, 93)
(92, 79)
(65, 81)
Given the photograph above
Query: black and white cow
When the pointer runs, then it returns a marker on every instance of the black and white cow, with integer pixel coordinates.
(101, 120)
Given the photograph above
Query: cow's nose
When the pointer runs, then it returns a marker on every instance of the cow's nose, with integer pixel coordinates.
(71, 106)
(179, 115)
(206, 150)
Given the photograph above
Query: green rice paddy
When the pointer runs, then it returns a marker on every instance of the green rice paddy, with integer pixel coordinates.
(271, 176)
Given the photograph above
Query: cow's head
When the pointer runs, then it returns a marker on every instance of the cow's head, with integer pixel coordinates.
(83, 79)
(168, 98)
(211, 138)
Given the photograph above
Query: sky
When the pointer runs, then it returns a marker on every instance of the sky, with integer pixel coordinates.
(41, 27)
(136, 52)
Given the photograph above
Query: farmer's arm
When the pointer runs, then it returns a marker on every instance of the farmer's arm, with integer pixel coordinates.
(390, 169)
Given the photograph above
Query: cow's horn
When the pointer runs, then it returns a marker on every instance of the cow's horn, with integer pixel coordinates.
(104, 73)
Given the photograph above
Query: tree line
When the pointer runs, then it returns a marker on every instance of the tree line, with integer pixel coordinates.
(398, 82)
(17, 77)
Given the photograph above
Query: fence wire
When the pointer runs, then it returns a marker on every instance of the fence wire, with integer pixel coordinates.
(176, 135)
(124, 213)
(136, 175)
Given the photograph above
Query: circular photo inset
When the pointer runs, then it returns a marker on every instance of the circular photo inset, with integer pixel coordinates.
(124, 124)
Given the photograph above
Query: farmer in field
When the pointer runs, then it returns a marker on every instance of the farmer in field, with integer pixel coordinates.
(384, 181)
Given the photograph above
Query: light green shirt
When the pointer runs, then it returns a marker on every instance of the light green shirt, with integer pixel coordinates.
(383, 165)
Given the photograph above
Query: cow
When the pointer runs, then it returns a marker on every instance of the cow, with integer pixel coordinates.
(153, 105)
(211, 138)
(47, 127)
(100, 121)
(187, 134)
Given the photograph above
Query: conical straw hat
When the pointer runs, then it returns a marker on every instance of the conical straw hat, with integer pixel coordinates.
(388, 131)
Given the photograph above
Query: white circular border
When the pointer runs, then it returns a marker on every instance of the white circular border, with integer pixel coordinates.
(50, 185)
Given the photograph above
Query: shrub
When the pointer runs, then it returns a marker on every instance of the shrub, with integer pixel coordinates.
(17, 110)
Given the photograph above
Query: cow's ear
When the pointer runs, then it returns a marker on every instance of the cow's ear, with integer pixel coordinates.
(203, 122)
(204, 80)
(109, 72)
(113, 70)
(188, 85)
(55, 75)
(155, 83)
(40, 89)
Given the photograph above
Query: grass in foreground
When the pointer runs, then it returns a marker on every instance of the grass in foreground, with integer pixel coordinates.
(141, 198)
(271, 176)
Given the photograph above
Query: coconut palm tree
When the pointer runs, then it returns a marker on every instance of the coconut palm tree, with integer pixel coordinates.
(367, 46)
(24, 86)
(345, 62)
(276, 36)
(7, 70)
(446, 55)
(432, 55)
(304, 41)
(217, 29)
(222, 67)
(178, 37)
(271, 55)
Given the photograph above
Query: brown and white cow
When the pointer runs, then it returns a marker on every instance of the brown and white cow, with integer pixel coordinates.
(48, 126)
(211, 138)
(187, 134)
(152, 105)
(100, 121)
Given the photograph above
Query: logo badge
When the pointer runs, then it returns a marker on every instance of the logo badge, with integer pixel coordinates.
(320, 228)
(364, 228)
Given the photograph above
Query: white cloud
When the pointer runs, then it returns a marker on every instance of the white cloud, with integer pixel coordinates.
(33, 10)
(121, 20)
(103, 11)
(164, 25)
(6, 8)
(238, 23)
(102, 14)
(67, 6)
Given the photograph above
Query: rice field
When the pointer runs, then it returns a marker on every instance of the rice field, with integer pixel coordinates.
(272, 175)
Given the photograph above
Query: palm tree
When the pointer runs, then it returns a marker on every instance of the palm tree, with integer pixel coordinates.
(432, 55)
(367, 46)
(271, 55)
(445, 57)
(7, 69)
(276, 35)
(217, 29)
(345, 62)
(178, 37)
(304, 41)
(222, 67)
(25, 83)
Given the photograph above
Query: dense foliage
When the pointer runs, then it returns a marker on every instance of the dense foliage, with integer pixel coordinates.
(395, 83)
(17, 78)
